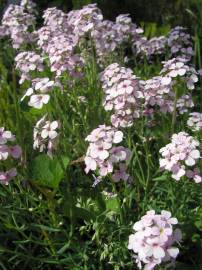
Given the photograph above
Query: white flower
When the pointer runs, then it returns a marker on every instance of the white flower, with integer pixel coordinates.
(49, 130)
(28, 93)
(45, 135)
(37, 101)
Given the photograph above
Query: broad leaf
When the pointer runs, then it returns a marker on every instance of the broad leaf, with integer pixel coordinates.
(48, 172)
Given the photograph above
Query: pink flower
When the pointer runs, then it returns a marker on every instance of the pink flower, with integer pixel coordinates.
(106, 168)
(15, 151)
(7, 150)
(26, 62)
(180, 43)
(17, 23)
(5, 136)
(120, 174)
(195, 175)
(4, 152)
(90, 163)
(195, 121)
(178, 67)
(149, 47)
(5, 177)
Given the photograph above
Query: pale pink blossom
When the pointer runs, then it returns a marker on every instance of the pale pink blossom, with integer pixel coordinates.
(195, 121)
(180, 43)
(178, 67)
(5, 135)
(46, 135)
(37, 101)
(5, 177)
(179, 155)
(8, 151)
(104, 156)
(123, 95)
(153, 239)
(49, 130)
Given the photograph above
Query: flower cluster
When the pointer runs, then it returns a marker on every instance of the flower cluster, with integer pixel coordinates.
(158, 92)
(177, 67)
(123, 94)
(46, 135)
(29, 6)
(57, 40)
(6, 151)
(85, 20)
(179, 155)
(4, 31)
(180, 43)
(18, 21)
(105, 39)
(184, 103)
(55, 19)
(38, 93)
(27, 62)
(195, 121)
(154, 239)
(104, 156)
(108, 35)
(150, 47)
(127, 29)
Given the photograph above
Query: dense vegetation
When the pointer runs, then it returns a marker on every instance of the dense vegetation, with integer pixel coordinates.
(100, 123)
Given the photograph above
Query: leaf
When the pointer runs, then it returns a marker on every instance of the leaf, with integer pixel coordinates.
(34, 111)
(198, 222)
(100, 203)
(63, 249)
(48, 172)
(163, 177)
(84, 214)
(113, 205)
(45, 228)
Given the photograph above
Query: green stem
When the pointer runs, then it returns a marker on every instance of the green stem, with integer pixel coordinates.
(139, 163)
(174, 114)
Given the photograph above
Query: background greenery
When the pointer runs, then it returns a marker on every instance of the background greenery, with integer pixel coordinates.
(174, 12)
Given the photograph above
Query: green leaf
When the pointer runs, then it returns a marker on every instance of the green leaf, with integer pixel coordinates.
(63, 249)
(48, 172)
(163, 177)
(113, 205)
(45, 228)
(84, 214)
(198, 222)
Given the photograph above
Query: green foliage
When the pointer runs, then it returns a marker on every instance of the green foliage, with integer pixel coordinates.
(80, 3)
(50, 215)
(48, 172)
